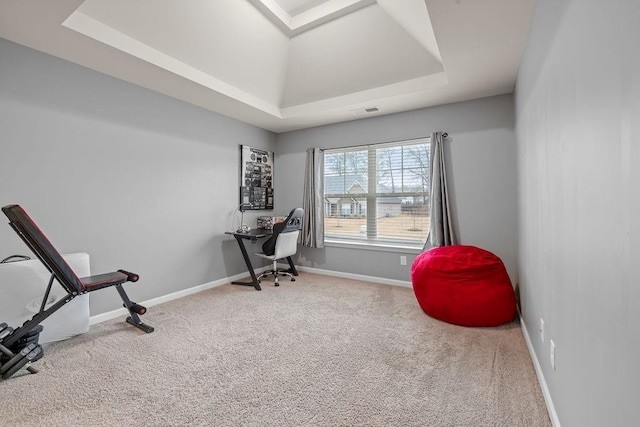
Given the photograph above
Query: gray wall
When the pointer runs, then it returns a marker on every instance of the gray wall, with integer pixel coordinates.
(136, 179)
(481, 148)
(578, 131)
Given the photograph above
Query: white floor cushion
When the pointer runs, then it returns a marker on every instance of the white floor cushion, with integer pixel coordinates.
(22, 288)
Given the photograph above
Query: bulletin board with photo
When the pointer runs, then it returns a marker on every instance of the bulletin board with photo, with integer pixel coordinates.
(256, 177)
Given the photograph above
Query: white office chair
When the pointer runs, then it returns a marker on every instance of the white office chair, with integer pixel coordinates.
(283, 243)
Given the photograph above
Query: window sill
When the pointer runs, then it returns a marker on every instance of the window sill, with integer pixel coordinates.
(368, 246)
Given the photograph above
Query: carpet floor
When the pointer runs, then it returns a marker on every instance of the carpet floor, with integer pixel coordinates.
(320, 351)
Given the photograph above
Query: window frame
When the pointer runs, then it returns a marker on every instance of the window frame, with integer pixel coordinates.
(373, 195)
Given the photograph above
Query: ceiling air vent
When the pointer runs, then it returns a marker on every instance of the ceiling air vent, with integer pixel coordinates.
(363, 111)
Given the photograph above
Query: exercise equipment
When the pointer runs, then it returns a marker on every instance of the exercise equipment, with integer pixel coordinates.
(19, 347)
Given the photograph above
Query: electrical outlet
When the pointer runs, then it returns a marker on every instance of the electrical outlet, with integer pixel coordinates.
(552, 354)
(541, 330)
(403, 260)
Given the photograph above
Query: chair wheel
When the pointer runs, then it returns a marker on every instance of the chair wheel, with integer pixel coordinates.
(293, 279)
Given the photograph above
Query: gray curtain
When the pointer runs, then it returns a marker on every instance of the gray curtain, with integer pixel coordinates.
(441, 231)
(313, 200)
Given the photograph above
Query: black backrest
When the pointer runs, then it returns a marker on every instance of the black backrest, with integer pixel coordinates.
(292, 223)
(42, 248)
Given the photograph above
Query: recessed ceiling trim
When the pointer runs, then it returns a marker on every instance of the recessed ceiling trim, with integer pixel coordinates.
(314, 17)
(94, 29)
(273, 10)
(363, 99)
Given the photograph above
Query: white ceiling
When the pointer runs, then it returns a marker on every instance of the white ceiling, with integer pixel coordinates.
(295, 7)
(287, 64)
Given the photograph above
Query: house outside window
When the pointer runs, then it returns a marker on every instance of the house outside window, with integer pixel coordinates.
(378, 194)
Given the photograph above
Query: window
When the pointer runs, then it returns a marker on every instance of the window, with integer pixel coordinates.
(378, 194)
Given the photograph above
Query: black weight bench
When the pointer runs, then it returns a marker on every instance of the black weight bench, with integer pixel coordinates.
(18, 347)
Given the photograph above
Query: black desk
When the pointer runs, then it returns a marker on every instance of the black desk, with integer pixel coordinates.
(254, 235)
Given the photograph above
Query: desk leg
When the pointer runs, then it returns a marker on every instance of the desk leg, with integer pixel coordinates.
(247, 261)
(292, 267)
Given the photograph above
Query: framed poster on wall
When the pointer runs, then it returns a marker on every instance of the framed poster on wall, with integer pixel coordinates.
(256, 178)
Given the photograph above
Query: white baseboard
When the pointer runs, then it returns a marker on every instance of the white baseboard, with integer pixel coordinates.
(172, 296)
(362, 277)
(555, 421)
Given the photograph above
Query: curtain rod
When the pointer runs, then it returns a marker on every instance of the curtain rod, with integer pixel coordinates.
(444, 135)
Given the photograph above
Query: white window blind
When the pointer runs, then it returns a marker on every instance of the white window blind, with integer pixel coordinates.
(378, 193)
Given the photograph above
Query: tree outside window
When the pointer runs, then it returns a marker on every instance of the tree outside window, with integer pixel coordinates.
(378, 193)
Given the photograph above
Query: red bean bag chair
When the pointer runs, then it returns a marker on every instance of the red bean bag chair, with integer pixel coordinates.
(463, 285)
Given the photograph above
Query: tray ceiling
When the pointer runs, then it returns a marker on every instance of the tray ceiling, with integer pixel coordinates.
(287, 64)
